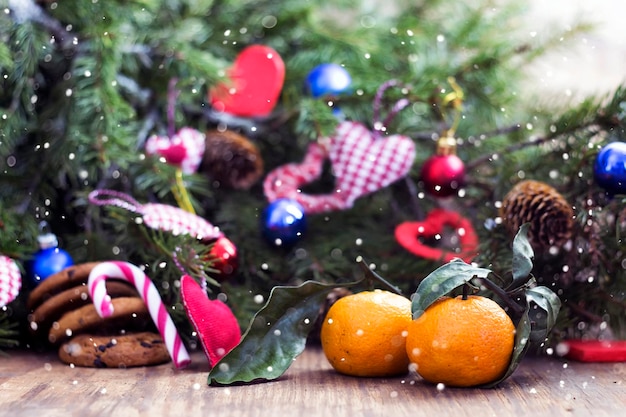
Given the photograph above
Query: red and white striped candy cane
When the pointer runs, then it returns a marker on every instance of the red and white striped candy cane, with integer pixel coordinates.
(150, 296)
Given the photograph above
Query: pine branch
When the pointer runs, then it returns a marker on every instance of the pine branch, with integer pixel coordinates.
(27, 11)
(9, 334)
(590, 116)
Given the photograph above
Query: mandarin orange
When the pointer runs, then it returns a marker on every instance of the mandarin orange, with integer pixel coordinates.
(461, 342)
(364, 334)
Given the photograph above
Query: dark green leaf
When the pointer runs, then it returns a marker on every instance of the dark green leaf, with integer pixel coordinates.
(442, 281)
(522, 257)
(276, 335)
(544, 308)
(522, 343)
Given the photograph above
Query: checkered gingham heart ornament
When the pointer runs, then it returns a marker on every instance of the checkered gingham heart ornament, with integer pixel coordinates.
(362, 162)
(159, 216)
(10, 280)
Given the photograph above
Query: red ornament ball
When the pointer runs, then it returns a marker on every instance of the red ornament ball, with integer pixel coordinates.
(223, 258)
(443, 174)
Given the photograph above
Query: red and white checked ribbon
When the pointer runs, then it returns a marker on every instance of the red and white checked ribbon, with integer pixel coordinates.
(185, 149)
(362, 163)
(159, 216)
(149, 294)
(10, 280)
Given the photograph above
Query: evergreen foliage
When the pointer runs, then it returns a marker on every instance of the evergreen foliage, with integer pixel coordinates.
(83, 84)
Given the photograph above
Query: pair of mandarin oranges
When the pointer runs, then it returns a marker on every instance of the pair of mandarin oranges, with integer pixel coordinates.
(460, 342)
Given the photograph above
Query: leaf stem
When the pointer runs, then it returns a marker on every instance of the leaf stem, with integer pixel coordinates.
(503, 295)
(373, 276)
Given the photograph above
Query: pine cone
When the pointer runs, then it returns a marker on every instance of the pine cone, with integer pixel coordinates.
(231, 159)
(549, 214)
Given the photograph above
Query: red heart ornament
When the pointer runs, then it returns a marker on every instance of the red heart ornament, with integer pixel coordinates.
(408, 235)
(256, 80)
(216, 325)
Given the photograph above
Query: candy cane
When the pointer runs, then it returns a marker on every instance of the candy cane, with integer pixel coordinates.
(150, 296)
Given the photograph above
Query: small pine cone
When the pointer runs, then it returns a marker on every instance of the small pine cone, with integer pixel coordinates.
(232, 159)
(549, 214)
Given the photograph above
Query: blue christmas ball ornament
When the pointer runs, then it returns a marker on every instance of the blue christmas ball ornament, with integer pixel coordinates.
(283, 222)
(49, 259)
(610, 168)
(328, 79)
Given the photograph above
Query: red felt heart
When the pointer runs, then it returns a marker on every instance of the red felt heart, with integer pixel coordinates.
(408, 235)
(216, 325)
(256, 80)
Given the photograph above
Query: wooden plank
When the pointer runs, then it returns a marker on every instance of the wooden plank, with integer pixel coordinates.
(37, 384)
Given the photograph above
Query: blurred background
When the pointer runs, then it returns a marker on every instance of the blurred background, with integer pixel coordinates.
(595, 63)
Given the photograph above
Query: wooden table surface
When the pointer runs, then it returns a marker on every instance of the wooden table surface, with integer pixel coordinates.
(36, 384)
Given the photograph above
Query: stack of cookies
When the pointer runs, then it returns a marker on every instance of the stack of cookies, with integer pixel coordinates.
(62, 315)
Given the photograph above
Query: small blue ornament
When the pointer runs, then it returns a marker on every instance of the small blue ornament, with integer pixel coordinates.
(609, 169)
(328, 79)
(49, 259)
(283, 222)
